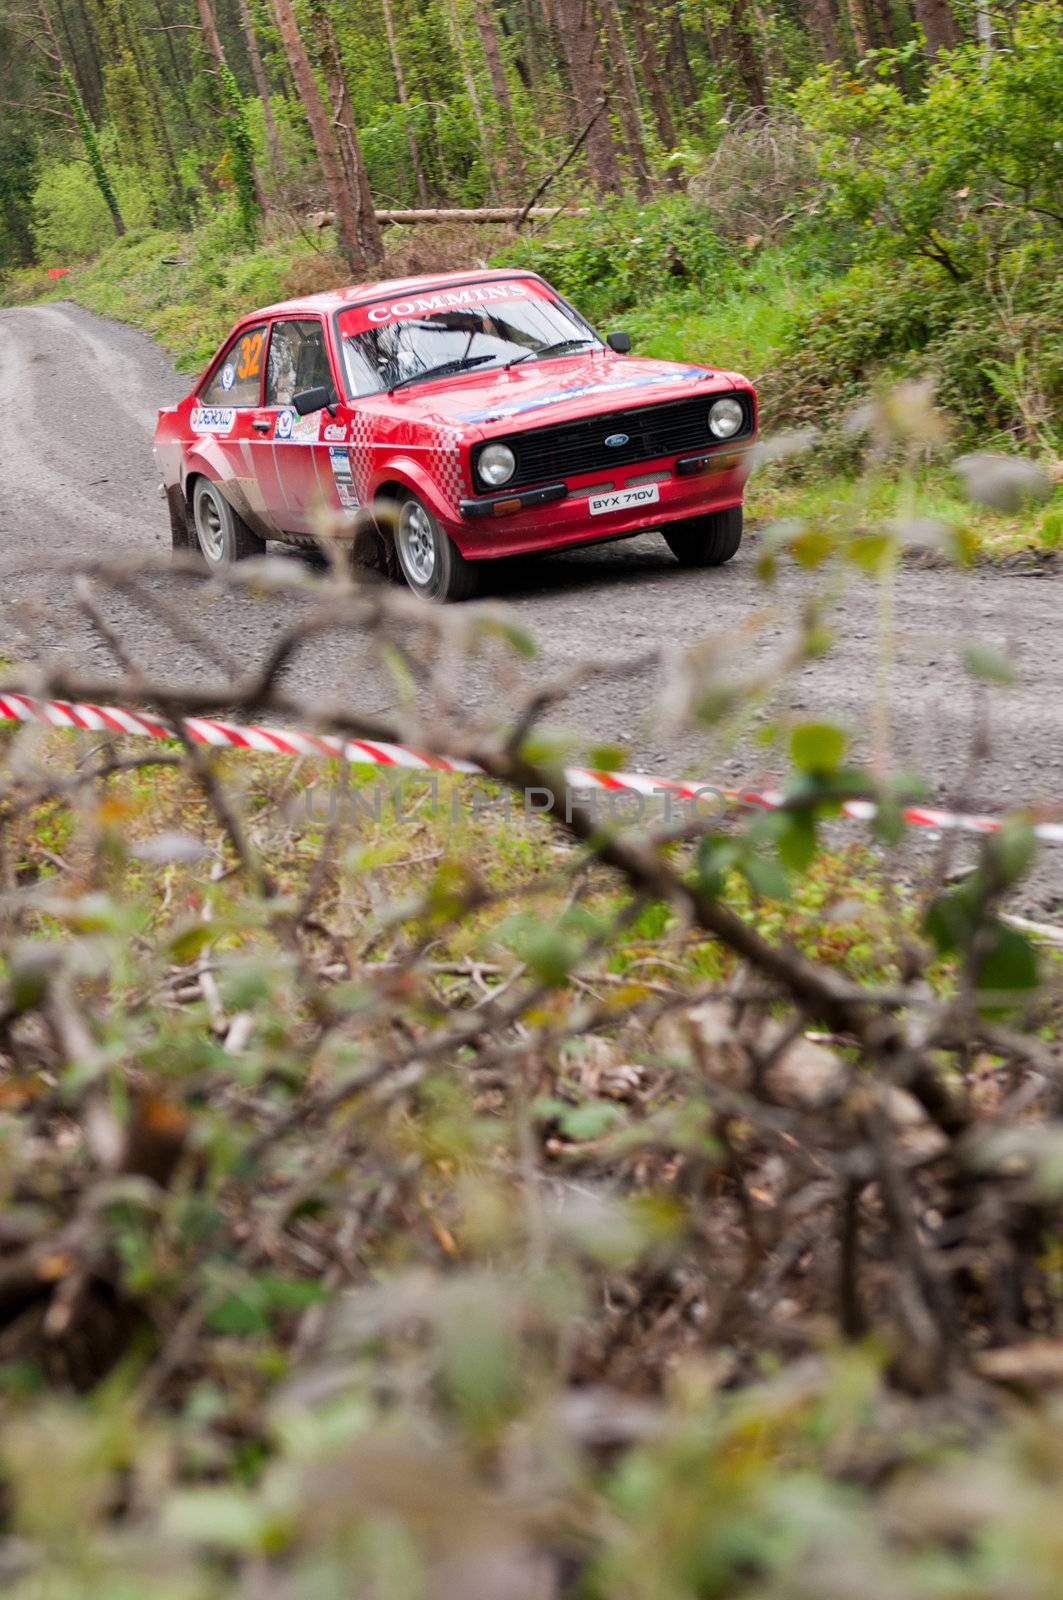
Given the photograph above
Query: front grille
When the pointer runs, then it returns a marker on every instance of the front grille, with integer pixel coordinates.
(568, 448)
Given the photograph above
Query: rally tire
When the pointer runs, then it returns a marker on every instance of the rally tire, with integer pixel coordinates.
(706, 541)
(427, 558)
(221, 533)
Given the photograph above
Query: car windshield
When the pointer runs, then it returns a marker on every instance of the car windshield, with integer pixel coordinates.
(475, 328)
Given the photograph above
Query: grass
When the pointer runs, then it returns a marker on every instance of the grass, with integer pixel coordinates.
(844, 505)
(744, 330)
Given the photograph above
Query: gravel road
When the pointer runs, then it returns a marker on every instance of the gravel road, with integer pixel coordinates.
(77, 475)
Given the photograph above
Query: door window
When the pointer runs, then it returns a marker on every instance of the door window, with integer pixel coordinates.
(237, 379)
(297, 360)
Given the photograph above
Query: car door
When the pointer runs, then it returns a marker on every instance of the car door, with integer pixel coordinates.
(222, 422)
(296, 469)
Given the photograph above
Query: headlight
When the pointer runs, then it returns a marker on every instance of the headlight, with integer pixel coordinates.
(496, 465)
(726, 417)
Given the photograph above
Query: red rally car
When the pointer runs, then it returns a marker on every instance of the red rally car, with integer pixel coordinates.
(475, 414)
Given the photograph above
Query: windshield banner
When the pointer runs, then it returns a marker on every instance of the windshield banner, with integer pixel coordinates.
(469, 297)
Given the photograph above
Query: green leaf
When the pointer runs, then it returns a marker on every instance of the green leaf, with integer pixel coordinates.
(766, 877)
(240, 1315)
(796, 839)
(951, 921)
(608, 757)
(988, 664)
(1010, 850)
(1011, 965)
(191, 940)
(870, 551)
(812, 547)
(550, 955)
(589, 1121)
(888, 822)
(713, 859)
(817, 746)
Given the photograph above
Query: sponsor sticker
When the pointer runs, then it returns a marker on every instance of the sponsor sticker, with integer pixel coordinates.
(647, 494)
(472, 296)
(283, 430)
(228, 375)
(335, 433)
(305, 429)
(212, 419)
(344, 478)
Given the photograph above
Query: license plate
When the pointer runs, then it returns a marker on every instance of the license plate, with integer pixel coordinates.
(647, 494)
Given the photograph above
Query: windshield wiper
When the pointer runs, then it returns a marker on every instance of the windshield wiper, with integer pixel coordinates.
(462, 364)
(546, 350)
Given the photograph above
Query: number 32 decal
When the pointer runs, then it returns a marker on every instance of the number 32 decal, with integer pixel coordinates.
(249, 358)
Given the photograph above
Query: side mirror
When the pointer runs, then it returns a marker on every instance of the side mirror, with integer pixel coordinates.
(319, 399)
(620, 342)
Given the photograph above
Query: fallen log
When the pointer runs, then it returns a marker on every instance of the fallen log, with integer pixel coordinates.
(434, 214)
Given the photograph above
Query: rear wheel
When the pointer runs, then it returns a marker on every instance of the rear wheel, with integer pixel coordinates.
(222, 534)
(706, 541)
(431, 563)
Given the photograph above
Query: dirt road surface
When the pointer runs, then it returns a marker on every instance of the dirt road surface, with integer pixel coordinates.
(77, 477)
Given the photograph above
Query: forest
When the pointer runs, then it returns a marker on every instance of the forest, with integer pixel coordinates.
(424, 1174)
(825, 196)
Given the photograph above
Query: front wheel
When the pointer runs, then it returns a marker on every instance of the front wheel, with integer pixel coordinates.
(706, 541)
(431, 563)
(222, 534)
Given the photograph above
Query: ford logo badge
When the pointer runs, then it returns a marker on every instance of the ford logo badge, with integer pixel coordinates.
(615, 440)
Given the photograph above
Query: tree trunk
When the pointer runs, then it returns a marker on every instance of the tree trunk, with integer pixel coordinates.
(938, 24)
(983, 18)
(85, 89)
(210, 33)
(347, 137)
(576, 26)
(859, 29)
(94, 56)
(823, 23)
(743, 43)
(471, 90)
(885, 29)
(175, 65)
(647, 55)
(404, 101)
(485, 23)
(679, 59)
(361, 249)
(630, 117)
(258, 73)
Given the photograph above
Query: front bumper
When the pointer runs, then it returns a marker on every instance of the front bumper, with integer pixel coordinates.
(552, 516)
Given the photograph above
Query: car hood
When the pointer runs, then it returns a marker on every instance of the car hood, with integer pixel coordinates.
(535, 393)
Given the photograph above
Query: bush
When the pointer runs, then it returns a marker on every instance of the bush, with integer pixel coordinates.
(761, 178)
(992, 348)
(618, 256)
(950, 202)
(72, 221)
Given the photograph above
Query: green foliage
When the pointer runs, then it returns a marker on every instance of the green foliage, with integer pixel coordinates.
(92, 150)
(241, 158)
(623, 255)
(954, 193)
(975, 161)
(72, 216)
(18, 173)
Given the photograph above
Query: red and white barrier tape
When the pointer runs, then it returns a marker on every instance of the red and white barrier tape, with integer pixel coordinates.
(290, 742)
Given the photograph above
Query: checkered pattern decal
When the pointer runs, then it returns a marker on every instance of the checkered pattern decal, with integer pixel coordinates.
(360, 454)
(444, 463)
(438, 447)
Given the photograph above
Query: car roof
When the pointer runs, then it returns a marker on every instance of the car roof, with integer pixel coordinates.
(354, 294)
